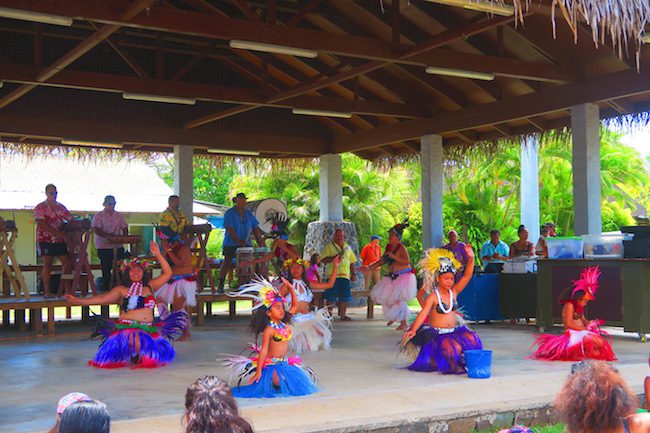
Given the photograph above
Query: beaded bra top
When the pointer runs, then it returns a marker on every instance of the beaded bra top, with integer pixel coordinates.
(134, 299)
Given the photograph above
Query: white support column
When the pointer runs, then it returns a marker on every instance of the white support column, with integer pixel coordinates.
(183, 177)
(529, 187)
(585, 122)
(331, 188)
(432, 189)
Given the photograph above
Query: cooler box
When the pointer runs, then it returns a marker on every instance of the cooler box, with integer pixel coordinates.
(606, 246)
(520, 266)
(564, 247)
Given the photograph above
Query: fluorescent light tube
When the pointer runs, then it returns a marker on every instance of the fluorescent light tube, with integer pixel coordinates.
(37, 17)
(481, 6)
(459, 73)
(272, 48)
(92, 144)
(325, 113)
(158, 98)
(233, 151)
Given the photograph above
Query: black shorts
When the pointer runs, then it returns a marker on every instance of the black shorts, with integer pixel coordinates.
(230, 251)
(53, 249)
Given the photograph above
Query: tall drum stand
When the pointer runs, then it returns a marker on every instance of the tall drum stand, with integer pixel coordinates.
(77, 236)
(8, 262)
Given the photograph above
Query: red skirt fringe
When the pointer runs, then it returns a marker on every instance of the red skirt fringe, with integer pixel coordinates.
(574, 346)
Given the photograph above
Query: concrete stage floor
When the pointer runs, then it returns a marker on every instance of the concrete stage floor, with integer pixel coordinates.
(360, 376)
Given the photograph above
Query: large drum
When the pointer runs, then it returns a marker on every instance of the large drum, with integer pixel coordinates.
(244, 257)
(265, 210)
(262, 269)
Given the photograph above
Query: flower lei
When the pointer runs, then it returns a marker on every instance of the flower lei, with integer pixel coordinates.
(145, 264)
(290, 262)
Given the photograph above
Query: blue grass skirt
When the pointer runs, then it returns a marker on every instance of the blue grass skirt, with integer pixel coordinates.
(119, 339)
(294, 379)
(442, 349)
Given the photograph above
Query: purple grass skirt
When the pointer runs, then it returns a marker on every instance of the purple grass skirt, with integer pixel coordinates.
(118, 349)
(442, 349)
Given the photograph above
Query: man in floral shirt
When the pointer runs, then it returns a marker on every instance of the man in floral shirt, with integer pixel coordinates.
(50, 216)
(107, 223)
(173, 221)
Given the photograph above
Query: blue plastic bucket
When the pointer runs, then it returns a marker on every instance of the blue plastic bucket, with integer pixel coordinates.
(479, 363)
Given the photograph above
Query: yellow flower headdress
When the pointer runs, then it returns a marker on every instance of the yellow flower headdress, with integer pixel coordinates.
(290, 262)
(438, 261)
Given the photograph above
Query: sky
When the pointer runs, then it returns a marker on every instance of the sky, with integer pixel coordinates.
(640, 140)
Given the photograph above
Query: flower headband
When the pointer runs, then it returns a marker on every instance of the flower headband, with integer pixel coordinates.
(262, 291)
(438, 261)
(145, 264)
(290, 262)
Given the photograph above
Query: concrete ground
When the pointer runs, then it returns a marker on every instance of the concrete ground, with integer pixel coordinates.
(361, 379)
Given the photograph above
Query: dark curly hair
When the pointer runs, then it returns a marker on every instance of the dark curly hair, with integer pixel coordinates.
(260, 320)
(210, 407)
(595, 398)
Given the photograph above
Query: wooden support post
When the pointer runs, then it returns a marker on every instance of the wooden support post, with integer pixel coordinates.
(371, 308)
(68, 312)
(232, 309)
(85, 314)
(199, 312)
(208, 308)
(105, 311)
(50, 321)
(37, 323)
(5, 317)
(19, 319)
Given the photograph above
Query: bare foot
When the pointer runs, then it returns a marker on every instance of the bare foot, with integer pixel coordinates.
(390, 323)
(401, 327)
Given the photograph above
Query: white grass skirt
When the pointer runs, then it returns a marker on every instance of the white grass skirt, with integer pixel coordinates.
(178, 288)
(393, 295)
(311, 332)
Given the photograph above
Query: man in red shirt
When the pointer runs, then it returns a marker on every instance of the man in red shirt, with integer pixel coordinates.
(370, 254)
(50, 216)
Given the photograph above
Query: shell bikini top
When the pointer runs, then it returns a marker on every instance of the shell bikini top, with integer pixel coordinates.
(134, 299)
(303, 291)
(281, 332)
(443, 308)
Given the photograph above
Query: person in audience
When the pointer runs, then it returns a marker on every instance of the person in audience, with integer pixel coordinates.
(541, 249)
(180, 290)
(494, 253)
(135, 339)
(457, 248)
(240, 224)
(313, 271)
(582, 338)
(522, 247)
(440, 344)
(369, 255)
(400, 285)
(50, 215)
(107, 223)
(173, 221)
(596, 399)
(85, 417)
(341, 293)
(551, 229)
(211, 408)
(64, 403)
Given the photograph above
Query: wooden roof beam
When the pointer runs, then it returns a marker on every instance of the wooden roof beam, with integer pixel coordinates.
(126, 14)
(219, 27)
(617, 85)
(249, 97)
(122, 132)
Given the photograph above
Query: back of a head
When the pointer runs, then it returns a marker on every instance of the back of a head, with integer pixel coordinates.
(594, 399)
(85, 417)
(211, 408)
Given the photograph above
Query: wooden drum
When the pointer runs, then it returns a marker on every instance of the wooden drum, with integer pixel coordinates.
(262, 269)
(244, 257)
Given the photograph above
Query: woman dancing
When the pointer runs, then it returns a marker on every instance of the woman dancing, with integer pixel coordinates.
(442, 343)
(311, 330)
(269, 371)
(581, 338)
(135, 339)
(400, 285)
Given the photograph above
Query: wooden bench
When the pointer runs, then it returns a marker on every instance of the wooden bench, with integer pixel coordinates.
(204, 304)
(35, 306)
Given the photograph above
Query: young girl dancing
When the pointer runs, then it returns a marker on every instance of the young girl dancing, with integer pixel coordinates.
(581, 338)
(136, 339)
(400, 285)
(269, 371)
(311, 330)
(440, 346)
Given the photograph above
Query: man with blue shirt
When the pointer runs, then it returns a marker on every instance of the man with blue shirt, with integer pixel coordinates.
(494, 253)
(240, 224)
